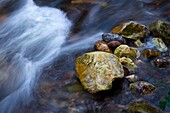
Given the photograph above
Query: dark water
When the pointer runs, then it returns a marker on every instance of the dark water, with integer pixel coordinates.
(58, 90)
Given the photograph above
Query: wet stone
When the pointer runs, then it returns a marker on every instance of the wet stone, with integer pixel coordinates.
(108, 37)
(132, 78)
(142, 87)
(161, 29)
(161, 62)
(129, 64)
(97, 70)
(130, 30)
(138, 43)
(160, 45)
(102, 46)
(126, 51)
(143, 107)
(149, 53)
(114, 44)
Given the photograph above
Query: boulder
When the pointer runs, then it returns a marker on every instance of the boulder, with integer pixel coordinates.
(161, 29)
(97, 70)
(126, 51)
(102, 46)
(142, 87)
(129, 64)
(130, 30)
(160, 45)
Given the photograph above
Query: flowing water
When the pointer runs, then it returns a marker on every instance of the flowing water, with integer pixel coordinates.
(37, 73)
(30, 38)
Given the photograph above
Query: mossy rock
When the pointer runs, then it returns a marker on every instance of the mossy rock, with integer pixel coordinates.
(130, 30)
(161, 29)
(129, 64)
(126, 51)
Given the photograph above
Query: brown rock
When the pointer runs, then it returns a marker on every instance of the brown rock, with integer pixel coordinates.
(102, 46)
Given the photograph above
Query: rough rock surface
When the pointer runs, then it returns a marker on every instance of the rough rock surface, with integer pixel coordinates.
(161, 29)
(97, 70)
(160, 45)
(129, 64)
(126, 51)
(142, 87)
(130, 30)
(102, 46)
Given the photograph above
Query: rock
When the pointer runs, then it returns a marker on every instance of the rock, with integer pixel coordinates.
(108, 37)
(138, 43)
(102, 46)
(142, 87)
(130, 30)
(97, 70)
(143, 107)
(114, 44)
(126, 51)
(161, 29)
(74, 88)
(129, 64)
(149, 53)
(160, 45)
(132, 78)
(161, 62)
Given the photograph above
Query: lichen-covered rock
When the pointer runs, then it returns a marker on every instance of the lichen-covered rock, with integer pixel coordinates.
(143, 107)
(149, 53)
(129, 64)
(97, 70)
(160, 45)
(126, 51)
(161, 62)
(107, 37)
(132, 78)
(161, 29)
(102, 46)
(130, 30)
(114, 44)
(142, 87)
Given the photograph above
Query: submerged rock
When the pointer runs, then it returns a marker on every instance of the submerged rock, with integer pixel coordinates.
(161, 29)
(108, 37)
(160, 45)
(126, 51)
(132, 78)
(102, 46)
(149, 53)
(142, 87)
(129, 64)
(143, 107)
(161, 62)
(97, 70)
(130, 30)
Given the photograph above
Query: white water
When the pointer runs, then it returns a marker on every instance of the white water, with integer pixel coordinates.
(30, 38)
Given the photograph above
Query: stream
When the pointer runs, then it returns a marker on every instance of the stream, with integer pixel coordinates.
(40, 40)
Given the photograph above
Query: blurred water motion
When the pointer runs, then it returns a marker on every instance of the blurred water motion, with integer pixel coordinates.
(31, 37)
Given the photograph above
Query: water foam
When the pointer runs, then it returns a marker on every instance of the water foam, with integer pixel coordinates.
(30, 39)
